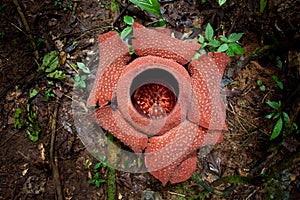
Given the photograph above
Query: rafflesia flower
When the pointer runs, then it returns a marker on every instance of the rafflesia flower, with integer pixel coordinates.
(160, 102)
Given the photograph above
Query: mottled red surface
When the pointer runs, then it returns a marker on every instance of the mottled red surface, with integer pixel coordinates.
(170, 142)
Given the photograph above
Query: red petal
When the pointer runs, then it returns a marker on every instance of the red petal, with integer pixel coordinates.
(113, 56)
(157, 42)
(207, 108)
(113, 122)
(185, 170)
(166, 154)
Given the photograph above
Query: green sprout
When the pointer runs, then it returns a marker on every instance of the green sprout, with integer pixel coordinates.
(226, 44)
(97, 179)
(261, 85)
(79, 80)
(283, 123)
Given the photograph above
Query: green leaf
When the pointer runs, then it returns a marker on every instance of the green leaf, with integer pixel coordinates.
(262, 88)
(233, 37)
(57, 74)
(259, 82)
(97, 166)
(275, 78)
(222, 48)
(229, 52)
(273, 104)
(82, 66)
(128, 20)
(277, 129)
(97, 183)
(201, 39)
(17, 123)
(126, 32)
(83, 77)
(224, 39)
(278, 62)
(286, 118)
(214, 43)
(33, 93)
(50, 62)
(280, 85)
(151, 6)
(262, 5)
(76, 78)
(277, 115)
(82, 84)
(236, 48)
(161, 22)
(91, 181)
(221, 2)
(269, 116)
(209, 32)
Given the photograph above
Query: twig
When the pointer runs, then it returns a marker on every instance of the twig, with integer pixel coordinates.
(177, 194)
(111, 173)
(24, 21)
(53, 154)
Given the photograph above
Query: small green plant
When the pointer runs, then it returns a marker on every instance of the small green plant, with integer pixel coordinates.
(262, 5)
(279, 83)
(31, 121)
(221, 2)
(49, 93)
(79, 81)
(151, 6)
(283, 123)
(2, 34)
(65, 5)
(97, 179)
(261, 85)
(127, 33)
(33, 93)
(278, 62)
(50, 65)
(17, 118)
(226, 44)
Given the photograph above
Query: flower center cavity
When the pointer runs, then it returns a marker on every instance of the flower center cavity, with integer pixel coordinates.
(154, 100)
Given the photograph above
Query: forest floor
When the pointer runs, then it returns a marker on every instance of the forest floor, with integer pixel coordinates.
(59, 161)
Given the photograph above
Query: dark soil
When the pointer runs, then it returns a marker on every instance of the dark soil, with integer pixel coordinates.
(72, 27)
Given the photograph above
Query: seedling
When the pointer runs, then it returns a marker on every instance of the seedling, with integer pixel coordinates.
(261, 85)
(279, 83)
(17, 118)
(79, 81)
(228, 45)
(50, 65)
(283, 124)
(31, 122)
(262, 5)
(33, 93)
(127, 33)
(49, 93)
(221, 2)
(97, 179)
(151, 6)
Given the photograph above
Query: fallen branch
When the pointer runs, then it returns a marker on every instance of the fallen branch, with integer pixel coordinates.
(53, 155)
(25, 23)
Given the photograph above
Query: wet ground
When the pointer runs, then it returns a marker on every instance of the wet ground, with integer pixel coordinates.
(59, 161)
